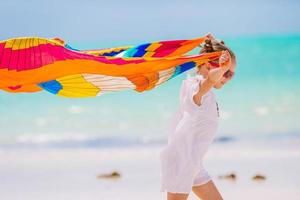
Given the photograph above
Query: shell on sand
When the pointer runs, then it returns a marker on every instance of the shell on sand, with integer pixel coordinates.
(259, 177)
(230, 176)
(112, 175)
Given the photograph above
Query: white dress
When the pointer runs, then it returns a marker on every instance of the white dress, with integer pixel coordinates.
(191, 132)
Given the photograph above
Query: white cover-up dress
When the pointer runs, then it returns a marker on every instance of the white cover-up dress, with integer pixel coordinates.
(191, 132)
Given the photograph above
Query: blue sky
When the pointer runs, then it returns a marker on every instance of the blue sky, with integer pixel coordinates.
(121, 22)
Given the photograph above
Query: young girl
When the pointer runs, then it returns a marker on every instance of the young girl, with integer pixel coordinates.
(194, 128)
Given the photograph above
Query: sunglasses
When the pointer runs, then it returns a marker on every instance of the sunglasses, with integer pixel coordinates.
(228, 74)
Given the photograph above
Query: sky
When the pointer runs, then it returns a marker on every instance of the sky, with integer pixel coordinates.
(122, 22)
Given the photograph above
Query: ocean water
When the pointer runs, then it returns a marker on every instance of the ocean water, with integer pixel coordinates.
(260, 103)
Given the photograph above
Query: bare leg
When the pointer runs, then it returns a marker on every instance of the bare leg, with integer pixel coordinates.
(207, 191)
(177, 196)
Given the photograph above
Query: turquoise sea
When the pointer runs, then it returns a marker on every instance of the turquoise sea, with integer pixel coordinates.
(261, 102)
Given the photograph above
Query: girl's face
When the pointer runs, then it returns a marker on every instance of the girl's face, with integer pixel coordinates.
(224, 80)
(204, 69)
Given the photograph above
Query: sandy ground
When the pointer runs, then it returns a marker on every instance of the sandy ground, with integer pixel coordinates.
(63, 174)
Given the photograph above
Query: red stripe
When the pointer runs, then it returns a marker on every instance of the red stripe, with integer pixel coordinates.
(28, 57)
(21, 59)
(32, 55)
(174, 42)
(44, 54)
(5, 57)
(1, 54)
(46, 59)
(14, 59)
(167, 48)
(57, 53)
(37, 57)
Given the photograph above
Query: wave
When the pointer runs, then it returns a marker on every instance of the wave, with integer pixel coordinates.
(71, 140)
(81, 140)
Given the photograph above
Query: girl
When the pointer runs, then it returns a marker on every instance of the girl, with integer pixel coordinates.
(194, 128)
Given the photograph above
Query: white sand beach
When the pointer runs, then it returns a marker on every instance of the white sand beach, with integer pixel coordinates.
(63, 174)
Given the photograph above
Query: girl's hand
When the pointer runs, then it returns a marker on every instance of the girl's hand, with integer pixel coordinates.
(225, 60)
(209, 36)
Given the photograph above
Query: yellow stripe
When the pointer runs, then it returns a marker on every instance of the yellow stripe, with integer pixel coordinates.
(102, 51)
(77, 86)
(16, 45)
(42, 41)
(153, 47)
(35, 41)
(22, 44)
(9, 43)
(55, 42)
(28, 43)
(149, 54)
(66, 78)
(76, 94)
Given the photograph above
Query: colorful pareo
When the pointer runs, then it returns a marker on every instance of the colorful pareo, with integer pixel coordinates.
(33, 64)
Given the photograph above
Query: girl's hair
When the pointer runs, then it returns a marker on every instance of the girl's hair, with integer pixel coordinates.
(215, 45)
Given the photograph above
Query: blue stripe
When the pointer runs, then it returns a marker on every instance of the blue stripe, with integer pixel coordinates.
(130, 52)
(113, 53)
(141, 50)
(71, 48)
(51, 86)
(186, 66)
(182, 68)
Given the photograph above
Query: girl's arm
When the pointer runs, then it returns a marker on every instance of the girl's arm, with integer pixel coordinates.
(214, 75)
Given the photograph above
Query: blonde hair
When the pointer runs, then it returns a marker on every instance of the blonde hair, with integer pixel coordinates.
(213, 45)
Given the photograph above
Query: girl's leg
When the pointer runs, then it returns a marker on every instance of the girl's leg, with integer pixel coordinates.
(177, 196)
(207, 191)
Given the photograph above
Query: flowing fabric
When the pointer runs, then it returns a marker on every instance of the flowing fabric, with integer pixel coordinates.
(33, 64)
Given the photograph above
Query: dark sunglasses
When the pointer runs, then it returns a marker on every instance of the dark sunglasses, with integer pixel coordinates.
(228, 74)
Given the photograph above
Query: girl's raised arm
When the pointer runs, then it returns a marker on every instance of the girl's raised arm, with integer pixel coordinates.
(214, 75)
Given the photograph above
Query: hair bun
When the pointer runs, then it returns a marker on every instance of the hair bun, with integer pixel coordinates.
(208, 46)
(208, 42)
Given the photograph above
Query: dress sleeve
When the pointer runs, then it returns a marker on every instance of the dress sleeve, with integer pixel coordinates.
(192, 88)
